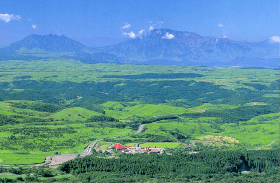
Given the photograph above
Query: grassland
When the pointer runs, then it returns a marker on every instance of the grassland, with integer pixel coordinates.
(74, 114)
(144, 110)
(60, 106)
(160, 145)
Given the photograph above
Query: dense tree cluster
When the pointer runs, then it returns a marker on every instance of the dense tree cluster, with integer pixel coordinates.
(192, 92)
(38, 106)
(243, 113)
(181, 166)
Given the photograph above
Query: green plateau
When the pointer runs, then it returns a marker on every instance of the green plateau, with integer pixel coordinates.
(228, 116)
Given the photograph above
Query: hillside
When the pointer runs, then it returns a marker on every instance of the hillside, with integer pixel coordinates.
(42, 44)
(56, 109)
(169, 47)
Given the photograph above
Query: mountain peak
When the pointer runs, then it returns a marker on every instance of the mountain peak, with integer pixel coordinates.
(166, 46)
(47, 43)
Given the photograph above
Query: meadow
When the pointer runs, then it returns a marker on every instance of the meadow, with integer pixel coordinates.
(60, 106)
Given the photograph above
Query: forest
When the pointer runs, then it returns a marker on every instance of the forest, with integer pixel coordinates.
(180, 166)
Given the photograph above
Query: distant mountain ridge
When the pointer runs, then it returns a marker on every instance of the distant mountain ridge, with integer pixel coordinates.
(46, 43)
(159, 46)
(186, 48)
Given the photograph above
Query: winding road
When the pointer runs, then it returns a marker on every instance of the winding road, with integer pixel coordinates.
(54, 160)
(88, 149)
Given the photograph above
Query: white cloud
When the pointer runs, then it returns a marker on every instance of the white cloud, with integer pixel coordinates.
(168, 36)
(141, 32)
(130, 34)
(275, 39)
(151, 28)
(220, 25)
(8, 17)
(126, 26)
(34, 26)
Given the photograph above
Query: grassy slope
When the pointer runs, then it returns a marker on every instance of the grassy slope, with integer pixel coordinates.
(74, 114)
(144, 110)
(257, 132)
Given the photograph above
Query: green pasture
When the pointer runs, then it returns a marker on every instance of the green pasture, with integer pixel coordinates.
(32, 148)
(74, 114)
(113, 105)
(144, 110)
(209, 106)
(193, 129)
(75, 71)
(40, 122)
(10, 175)
(160, 144)
(253, 136)
(22, 159)
(265, 119)
(105, 146)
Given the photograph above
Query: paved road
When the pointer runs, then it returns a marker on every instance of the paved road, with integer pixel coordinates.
(140, 129)
(88, 149)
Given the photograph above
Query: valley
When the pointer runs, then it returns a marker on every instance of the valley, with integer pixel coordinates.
(139, 91)
(57, 107)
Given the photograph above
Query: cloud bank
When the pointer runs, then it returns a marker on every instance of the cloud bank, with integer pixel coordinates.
(275, 39)
(220, 25)
(142, 32)
(168, 36)
(8, 17)
(133, 35)
(130, 34)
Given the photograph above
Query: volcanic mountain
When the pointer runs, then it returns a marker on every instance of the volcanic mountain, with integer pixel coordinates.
(158, 46)
(165, 46)
(42, 44)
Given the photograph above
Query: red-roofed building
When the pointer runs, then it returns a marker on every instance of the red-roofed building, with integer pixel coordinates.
(118, 146)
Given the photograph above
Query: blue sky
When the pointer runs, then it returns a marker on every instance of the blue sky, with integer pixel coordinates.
(97, 22)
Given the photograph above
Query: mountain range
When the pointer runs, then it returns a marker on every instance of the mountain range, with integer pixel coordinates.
(158, 46)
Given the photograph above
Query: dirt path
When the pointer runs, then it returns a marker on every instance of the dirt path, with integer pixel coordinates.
(267, 145)
(59, 159)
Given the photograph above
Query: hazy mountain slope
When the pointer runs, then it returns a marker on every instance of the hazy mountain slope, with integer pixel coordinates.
(47, 43)
(159, 46)
(190, 48)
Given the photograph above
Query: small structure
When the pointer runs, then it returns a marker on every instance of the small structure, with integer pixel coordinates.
(133, 149)
(118, 146)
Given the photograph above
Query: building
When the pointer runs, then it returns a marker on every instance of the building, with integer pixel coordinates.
(118, 146)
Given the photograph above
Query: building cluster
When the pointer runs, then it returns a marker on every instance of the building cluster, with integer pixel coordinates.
(134, 149)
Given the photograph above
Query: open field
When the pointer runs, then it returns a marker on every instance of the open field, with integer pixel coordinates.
(160, 144)
(59, 159)
(60, 106)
